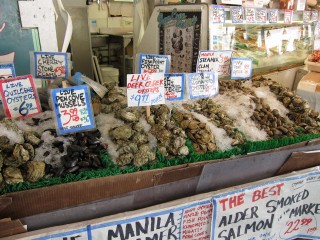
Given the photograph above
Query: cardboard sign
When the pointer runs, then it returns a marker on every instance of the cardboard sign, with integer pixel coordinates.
(50, 65)
(217, 14)
(19, 97)
(250, 15)
(273, 15)
(145, 89)
(185, 222)
(288, 15)
(174, 86)
(72, 107)
(314, 16)
(236, 14)
(7, 71)
(261, 15)
(241, 68)
(214, 61)
(202, 85)
(150, 63)
(288, 208)
(306, 16)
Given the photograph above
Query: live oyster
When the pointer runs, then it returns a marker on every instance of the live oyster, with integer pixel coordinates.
(33, 138)
(12, 175)
(35, 171)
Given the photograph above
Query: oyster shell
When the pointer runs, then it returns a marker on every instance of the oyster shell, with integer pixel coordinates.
(12, 175)
(33, 138)
(35, 171)
(123, 132)
(21, 154)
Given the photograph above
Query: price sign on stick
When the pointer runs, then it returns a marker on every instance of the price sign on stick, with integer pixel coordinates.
(261, 15)
(72, 107)
(174, 86)
(7, 71)
(19, 96)
(273, 15)
(306, 16)
(236, 14)
(145, 89)
(202, 85)
(314, 16)
(250, 15)
(241, 68)
(214, 61)
(50, 65)
(217, 14)
(151, 63)
(288, 15)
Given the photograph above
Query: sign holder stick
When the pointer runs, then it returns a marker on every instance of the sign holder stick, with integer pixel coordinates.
(148, 112)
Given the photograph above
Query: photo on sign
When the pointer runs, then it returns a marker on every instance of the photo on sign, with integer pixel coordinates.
(214, 61)
(7, 71)
(202, 85)
(152, 63)
(50, 65)
(19, 97)
(72, 108)
(241, 68)
(180, 38)
(286, 208)
(174, 86)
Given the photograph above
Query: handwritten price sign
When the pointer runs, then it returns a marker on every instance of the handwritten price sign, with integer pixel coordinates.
(288, 208)
(288, 15)
(217, 14)
(7, 71)
(145, 89)
(214, 61)
(261, 15)
(241, 68)
(273, 15)
(174, 86)
(250, 15)
(306, 16)
(151, 63)
(20, 98)
(236, 14)
(50, 65)
(314, 16)
(202, 85)
(72, 108)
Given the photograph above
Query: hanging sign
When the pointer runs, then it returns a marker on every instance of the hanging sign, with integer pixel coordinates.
(145, 89)
(236, 14)
(72, 107)
(261, 15)
(250, 15)
(50, 65)
(7, 71)
(214, 61)
(174, 86)
(306, 16)
(202, 85)
(287, 208)
(273, 15)
(151, 63)
(316, 44)
(19, 97)
(288, 15)
(241, 68)
(217, 14)
(301, 5)
(314, 16)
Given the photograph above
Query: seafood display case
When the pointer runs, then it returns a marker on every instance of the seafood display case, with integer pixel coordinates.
(272, 46)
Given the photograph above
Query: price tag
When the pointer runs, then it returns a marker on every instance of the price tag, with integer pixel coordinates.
(314, 16)
(19, 96)
(202, 85)
(250, 15)
(306, 16)
(273, 15)
(174, 86)
(217, 14)
(50, 65)
(72, 107)
(151, 63)
(145, 89)
(7, 71)
(288, 14)
(261, 15)
(236, 14)
(214, 61)
(241, 68)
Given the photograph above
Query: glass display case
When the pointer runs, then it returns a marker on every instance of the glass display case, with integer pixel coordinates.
(272, 46)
